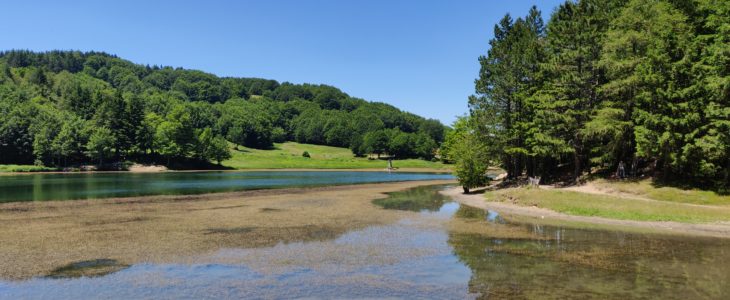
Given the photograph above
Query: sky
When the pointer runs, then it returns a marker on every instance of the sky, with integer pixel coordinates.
(420, 56)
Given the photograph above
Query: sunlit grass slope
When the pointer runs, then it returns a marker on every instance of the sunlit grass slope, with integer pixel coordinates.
(672, 204)
(289, 156)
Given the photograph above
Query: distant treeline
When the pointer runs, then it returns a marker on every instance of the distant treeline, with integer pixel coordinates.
(643, 82)
(66, 107)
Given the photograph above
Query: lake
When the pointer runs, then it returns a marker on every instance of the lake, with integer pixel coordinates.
(70, 186)
(434, 249)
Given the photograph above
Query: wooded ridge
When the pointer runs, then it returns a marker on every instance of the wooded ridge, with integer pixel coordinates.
(62, 108)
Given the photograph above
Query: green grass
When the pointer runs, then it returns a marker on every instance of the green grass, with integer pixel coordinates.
(289, 156)
(647, 189)
(582, 204)
(25, 168)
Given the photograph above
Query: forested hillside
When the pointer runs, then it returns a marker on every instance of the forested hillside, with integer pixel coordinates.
(643, 82)
(62, 108)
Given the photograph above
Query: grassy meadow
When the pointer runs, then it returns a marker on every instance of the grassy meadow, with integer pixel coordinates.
(672, 204)
(25, 168)
(648, 189)
(289, 156)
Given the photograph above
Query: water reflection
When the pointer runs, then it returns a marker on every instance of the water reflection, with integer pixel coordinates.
(418, 199)
(88, 268)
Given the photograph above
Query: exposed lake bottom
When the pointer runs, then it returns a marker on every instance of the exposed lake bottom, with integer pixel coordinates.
(422, 246)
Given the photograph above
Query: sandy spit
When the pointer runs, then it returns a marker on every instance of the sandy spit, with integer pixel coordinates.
(721, 230)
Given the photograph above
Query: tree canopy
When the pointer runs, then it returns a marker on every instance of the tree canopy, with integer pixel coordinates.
(643, 82)
(71, 107)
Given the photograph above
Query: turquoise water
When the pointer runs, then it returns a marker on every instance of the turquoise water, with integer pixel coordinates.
(43, 187)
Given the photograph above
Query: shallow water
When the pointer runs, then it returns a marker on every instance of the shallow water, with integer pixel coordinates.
(447, 252)
(41, 187)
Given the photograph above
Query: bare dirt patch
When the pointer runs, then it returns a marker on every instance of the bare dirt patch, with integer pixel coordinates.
(139, 168)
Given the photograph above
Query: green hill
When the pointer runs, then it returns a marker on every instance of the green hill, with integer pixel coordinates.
(68, 108)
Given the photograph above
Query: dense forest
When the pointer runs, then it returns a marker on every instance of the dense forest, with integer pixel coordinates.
(64, 108)
(643, 84)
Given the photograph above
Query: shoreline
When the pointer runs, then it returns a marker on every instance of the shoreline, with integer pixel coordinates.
(717, 230)
(402, 170)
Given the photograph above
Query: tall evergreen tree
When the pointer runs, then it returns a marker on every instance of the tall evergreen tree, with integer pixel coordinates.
(648, 111)
(506, 81)
(707, 152)
(569, 96)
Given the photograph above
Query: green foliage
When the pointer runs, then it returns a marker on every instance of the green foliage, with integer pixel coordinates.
(471, 156)
(507, 78)
(306, 154)
(376, 142)
(278, 135)
(643, 82)
(210, 147)
(101, 143)
(53, 102)
(25, 168)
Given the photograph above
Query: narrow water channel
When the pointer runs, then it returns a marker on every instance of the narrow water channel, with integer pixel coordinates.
(438, 250)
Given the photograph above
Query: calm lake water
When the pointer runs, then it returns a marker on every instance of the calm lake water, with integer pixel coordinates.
(438, 250)
(42, 187)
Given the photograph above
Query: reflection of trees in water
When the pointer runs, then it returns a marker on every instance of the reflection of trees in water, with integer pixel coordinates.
(415, 199)
(468, 212)
(580, 264)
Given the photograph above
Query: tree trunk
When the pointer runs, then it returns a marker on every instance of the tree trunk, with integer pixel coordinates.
(466, 190)
(576, 162)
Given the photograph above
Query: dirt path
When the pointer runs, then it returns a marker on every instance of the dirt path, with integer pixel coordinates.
(477, 200)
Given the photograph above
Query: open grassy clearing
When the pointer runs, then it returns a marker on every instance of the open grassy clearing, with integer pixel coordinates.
(647, 189)
(25, 168)
(608, 206)
(289, 156)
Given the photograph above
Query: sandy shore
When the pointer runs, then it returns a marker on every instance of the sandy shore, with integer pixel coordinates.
(721, 230)
(39, 237)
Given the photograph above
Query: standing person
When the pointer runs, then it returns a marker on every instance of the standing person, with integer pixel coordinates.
(621, 170)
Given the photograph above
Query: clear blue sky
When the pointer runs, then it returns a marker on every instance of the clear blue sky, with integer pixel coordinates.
(420, 56)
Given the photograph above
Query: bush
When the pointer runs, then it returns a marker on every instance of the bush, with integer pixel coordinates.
(306, 154)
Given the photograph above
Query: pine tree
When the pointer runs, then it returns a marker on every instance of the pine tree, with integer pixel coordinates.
(707, 152)
(572, 77)
(648, 110)
(506, 80)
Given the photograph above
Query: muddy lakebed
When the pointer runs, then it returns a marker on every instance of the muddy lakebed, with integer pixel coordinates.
(337, 242)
